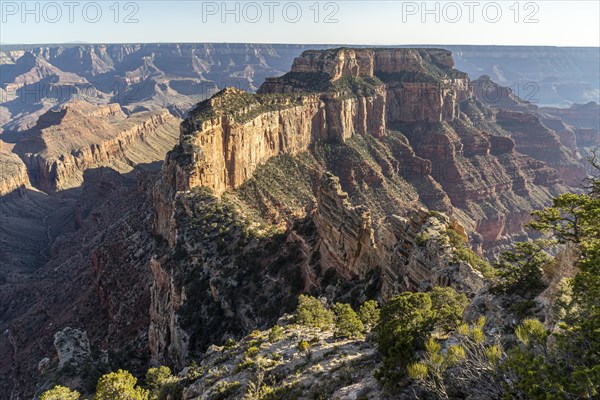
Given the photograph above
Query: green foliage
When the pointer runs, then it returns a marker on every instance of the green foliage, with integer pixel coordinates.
(522, 309)
(531, 332)
(258, 389)
(311, 312)
(570, 368)
(224, 389)
(575, 219)
(119, 385)
(347, 323)
(60, 393)
(155, 377)
(369, 313)
(275, 334)
(572, 218)
(229, 344)
(417, 371)
(472, 362)
(171, 389)
(422, 238)
(406, 324)
(463, 253)
(195, 371)
(356, 86)
(303, 346)
(245, 364)
(520, 271)
(449, 306)
(162, 384)
(252, 351)
(565, 367)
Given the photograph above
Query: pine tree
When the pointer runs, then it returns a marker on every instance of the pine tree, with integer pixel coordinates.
(347, 323)
(119, 385)
(60, 393)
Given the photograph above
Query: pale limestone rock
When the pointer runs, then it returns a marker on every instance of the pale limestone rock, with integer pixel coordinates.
(72, 346)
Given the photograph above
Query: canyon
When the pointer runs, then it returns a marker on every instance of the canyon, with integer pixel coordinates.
(362, 96)
(64, 144)
(358, 174)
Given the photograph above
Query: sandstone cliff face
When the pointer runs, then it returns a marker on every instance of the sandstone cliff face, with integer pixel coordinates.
(167, 341)
(365, 92)
(347, 240)
(421, 85)
(228, 136)
(411, 254)
(82, 136)
(13, 172)
(222, 153)
(536, 140)
(422, 101)
(341, 62)
(335, 64)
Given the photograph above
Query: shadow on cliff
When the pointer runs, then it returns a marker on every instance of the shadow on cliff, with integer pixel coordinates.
(89, 277)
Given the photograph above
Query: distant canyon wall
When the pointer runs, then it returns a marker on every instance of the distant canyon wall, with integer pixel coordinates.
(66, 143)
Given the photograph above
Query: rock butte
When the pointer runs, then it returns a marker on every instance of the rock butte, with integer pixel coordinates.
(331, 95)
(232, 142)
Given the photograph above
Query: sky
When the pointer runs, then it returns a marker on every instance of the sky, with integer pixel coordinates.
(547, 22)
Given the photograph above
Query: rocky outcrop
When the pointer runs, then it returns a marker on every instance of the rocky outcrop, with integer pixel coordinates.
(225, 138)
(222, 151)
(416, 255)
(421, 84)
(542, 133)
(337, 368)
(455, 153)
(13, 172)
(583, 119)
(494, 95)
(167, 341)
(424, 101)
(556, 274)
(82, 136)
(346, 235)
(72, 347)
(412, 253)
(579, 115)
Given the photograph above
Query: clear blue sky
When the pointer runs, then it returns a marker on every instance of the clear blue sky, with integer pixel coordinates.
(549, 22)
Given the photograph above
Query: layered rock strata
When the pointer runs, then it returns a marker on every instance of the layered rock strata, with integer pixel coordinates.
(81, 136)
(347, 240)
(538, 141)
(332, 95)
(350, 92)
(410, 253)
(13, 172)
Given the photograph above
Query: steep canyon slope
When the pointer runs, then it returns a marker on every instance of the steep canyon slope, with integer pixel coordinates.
(350, 177)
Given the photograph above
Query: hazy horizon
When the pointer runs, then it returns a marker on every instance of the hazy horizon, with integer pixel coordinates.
(76, 43)
(514, 23)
